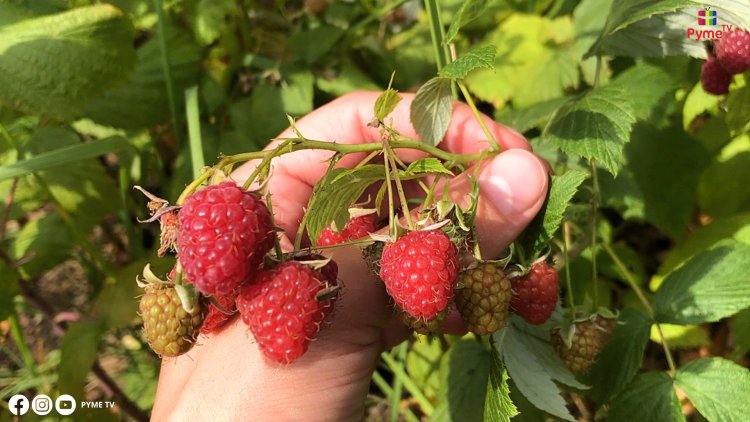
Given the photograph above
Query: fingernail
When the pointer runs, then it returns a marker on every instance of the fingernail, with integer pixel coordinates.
(515, 181)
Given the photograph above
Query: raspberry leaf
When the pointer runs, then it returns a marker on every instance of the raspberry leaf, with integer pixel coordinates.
(649, 398)
(80, 52)
(595, 126)
(498, 406)
(431, 109)
(470, 10)
(386, 103)
(335, 193)
(533, 366)
(428, 165)
(464, 372)
(542, 229)
(77, 354)
(711, 286)
(718, 388)
(476, 58)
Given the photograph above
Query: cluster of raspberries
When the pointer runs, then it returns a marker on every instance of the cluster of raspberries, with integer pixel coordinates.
(731, 56)
(223, 234)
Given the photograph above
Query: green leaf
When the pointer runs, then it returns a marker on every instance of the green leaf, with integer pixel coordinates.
(8, 290)
(83, 188)
(536, 61)
(498, 406)
(534, 116)
(429, 165)
(620, 360)
(722, 186)
(431, 110)
(117, 303)
(348, 79)
(55, 64)
(79, 349)
(45, 242)
(476, 58)
(649, 398)
(650, 88)
(143, 101)
(211, 19)
(596, 126)
(718, 388)
(310, 45)
(464, 373)
(470, 10)
(713, 285)
(738, 106)
(423, 365)
(532, 363)
(698, 102)
(644, 188)
(681, 336)
(65, 155)
(386, 103)
(335, 193)
(543, 227)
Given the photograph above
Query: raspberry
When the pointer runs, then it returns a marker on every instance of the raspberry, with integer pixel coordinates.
(168, 328)
(356, 228)
(282, 310)
(216, 319)
(420, 325)
(733, 51)
(535, 294)
(224, 233)
(420, 271)
(484, 299)
(588, 339)
(714, 78)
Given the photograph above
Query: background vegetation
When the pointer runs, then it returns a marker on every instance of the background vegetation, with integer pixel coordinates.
(97, 97)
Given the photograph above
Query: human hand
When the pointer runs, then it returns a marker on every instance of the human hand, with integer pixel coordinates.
(227, 378)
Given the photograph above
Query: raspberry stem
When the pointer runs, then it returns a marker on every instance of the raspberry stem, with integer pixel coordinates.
(633, 282)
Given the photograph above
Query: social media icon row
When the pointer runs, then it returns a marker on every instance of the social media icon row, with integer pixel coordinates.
(42, 405)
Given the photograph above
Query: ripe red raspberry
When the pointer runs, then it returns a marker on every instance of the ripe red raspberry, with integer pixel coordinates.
(283, 311)
(224, 233)
(420, 271)
(714, 78)
(484, 299)
(356, 228)
(588, 339)
(535, 294)
(733, 51)
(215, 318)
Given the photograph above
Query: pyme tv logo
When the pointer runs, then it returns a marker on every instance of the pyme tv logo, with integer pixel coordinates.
(707, 17)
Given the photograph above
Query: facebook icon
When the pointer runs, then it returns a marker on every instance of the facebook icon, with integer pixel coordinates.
(18, 405)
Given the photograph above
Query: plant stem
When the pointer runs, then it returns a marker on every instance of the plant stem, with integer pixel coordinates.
(470, 101)
(436, 33)
(17, 333)
(276, 243)
(399, 187)
(594, 211)
(387, 391)
(397, 385)
(598, 71)
(391, 211)
(194, 185)
(194, 129)
(166, 68)
(6, 208)
(568, 282)
(412, 388)
(633, 282)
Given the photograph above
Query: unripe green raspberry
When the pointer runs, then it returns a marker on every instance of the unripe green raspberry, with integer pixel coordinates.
(484, 299)
(588, 340)
(168, 328)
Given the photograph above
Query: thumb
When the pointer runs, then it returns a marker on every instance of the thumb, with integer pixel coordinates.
(512, 189)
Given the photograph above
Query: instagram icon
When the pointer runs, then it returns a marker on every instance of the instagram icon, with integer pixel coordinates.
(41, 405)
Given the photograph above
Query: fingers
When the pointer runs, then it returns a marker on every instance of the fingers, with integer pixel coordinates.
(345, 121)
